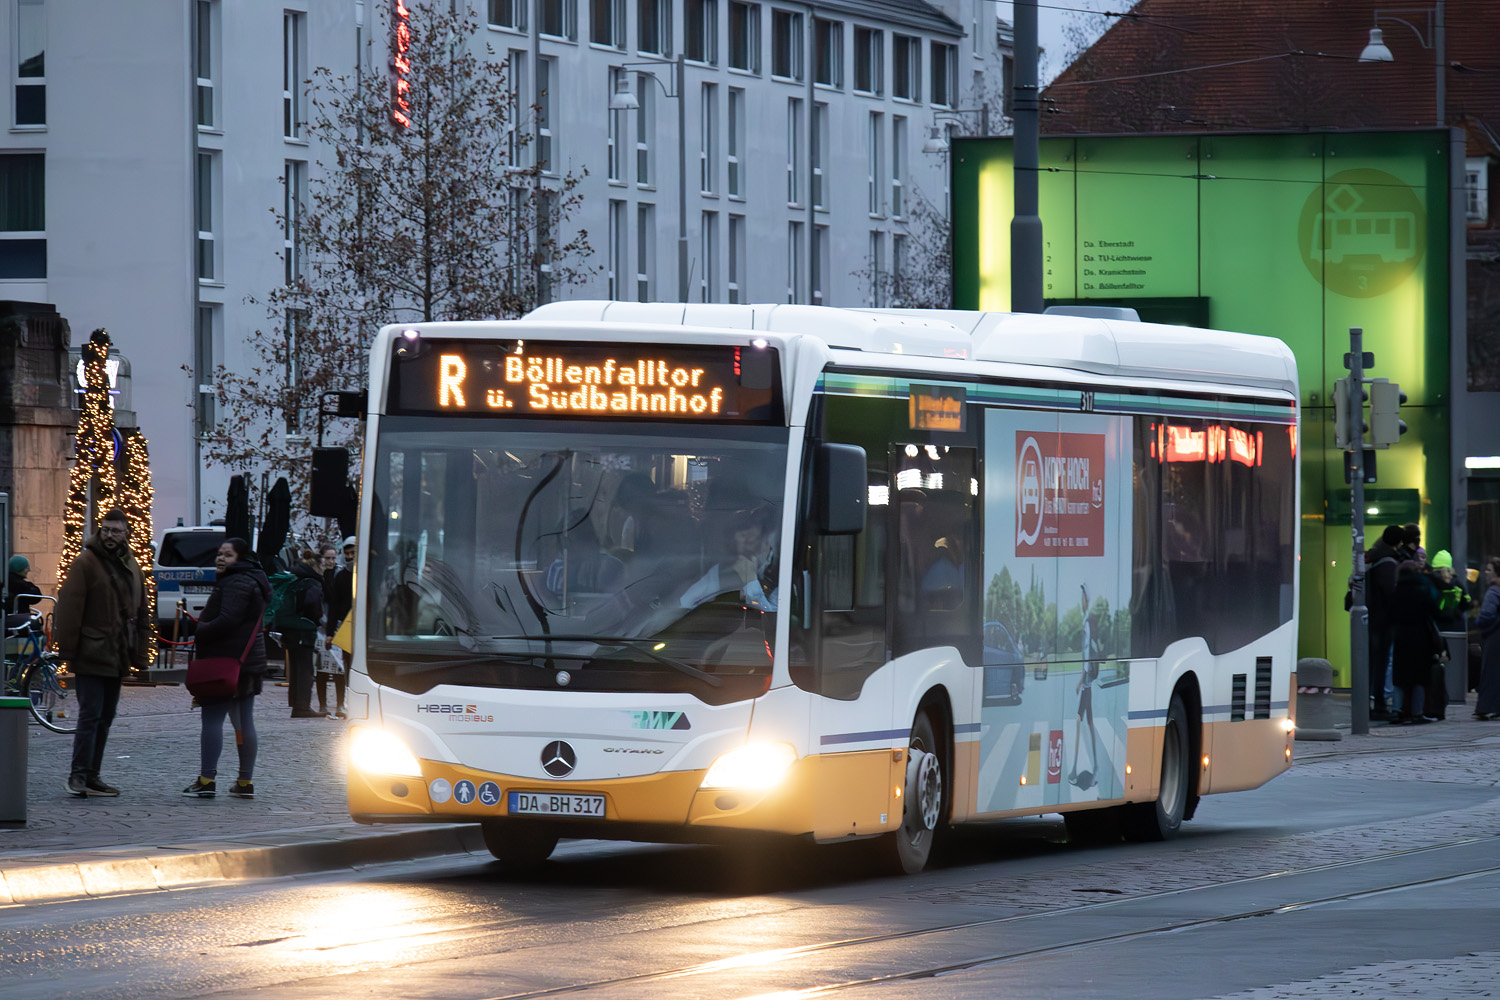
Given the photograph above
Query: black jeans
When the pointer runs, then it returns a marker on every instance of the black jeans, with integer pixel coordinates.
(300, 676)
(98, 697)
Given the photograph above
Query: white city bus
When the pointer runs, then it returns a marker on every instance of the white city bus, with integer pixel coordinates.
(677, 572)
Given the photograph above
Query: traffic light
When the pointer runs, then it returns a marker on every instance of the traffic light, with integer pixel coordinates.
(1386, 425)
(1347, 416)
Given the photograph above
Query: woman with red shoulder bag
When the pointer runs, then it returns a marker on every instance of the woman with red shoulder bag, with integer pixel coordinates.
(231, 627)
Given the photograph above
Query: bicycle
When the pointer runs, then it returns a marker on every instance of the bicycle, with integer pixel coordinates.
(37, 674)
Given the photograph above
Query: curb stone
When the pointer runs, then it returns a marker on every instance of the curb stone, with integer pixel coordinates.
(57, 877)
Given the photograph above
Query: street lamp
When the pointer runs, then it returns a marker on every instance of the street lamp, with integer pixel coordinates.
(937, 142)
(623, 100)
(1432, 36)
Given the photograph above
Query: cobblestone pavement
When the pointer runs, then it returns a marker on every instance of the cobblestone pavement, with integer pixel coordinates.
(1474, 975)
(152, 754)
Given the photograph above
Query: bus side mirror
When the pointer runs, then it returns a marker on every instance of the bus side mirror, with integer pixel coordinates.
(839, 489)
(330, 473)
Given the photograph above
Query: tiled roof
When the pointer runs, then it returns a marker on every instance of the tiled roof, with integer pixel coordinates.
(909, 13)
(1280, 64)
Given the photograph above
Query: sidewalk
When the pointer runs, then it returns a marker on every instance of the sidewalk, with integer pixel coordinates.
(152, 837)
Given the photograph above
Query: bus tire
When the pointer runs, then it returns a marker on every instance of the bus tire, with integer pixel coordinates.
(1162, 819)
(924, 802)
(519, 844)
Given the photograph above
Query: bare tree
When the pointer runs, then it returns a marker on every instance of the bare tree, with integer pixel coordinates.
(429, 201)
(921, 276)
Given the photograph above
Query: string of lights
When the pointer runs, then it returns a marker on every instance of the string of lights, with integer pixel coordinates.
(92, 486)
(135, 496)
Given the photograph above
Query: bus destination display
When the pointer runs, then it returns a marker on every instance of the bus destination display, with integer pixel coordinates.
(558, 379)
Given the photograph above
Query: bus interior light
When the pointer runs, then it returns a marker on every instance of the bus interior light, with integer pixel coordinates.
(755, 765)
(379, 752)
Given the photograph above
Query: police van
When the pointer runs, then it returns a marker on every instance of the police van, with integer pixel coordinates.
(185, 571)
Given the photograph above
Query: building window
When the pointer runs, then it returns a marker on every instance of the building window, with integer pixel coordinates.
(546, 218)
(744, 36)
(292, 372)
(875, 160)
(606, 23)
(819, 255)
(31, 70)
(559, 18)
(702, 31)
(898, 269)
(869, 60)
(645, 251)
(23, 219)
(906, 67)
(294, 201)
(508, 14)
(735, 153)
(203, 368)
(786, 44)
(618, 250)
(710, 255)
(1477, 189)
(708, 149)
(794, 262)
(877, 269)
(616, 160)
(645, 123)
(206, 59)
(794, 151)
(655, 27)
(736, 259)
(818, 152)
(517, 141)
(206, 212)
(944, 74)
(828, 52)
(546, 77)
(293, 71)
(898, 167)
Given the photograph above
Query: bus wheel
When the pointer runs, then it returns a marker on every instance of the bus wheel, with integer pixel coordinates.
(519, 844)
(1162, 819)
(924, 800)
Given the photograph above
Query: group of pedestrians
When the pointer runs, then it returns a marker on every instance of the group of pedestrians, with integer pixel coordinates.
(102, 629)
(1412, 604)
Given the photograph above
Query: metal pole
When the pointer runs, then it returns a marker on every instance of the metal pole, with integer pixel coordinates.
(1026, 226)
(682, 240)
(1439, 42)
(1359, 614)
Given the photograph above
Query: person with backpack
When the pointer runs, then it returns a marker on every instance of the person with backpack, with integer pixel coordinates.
(297, 619)
(231, 627)
(1380, 590)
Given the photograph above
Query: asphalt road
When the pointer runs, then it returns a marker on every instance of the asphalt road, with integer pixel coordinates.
(1369, 875)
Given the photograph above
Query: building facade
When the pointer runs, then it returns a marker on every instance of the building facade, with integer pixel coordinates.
(736, 151)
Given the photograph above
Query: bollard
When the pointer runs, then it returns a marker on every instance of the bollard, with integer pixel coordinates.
(14, 713)
(1315, 709)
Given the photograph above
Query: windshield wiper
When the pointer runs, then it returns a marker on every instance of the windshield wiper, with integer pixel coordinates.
(634, 642)
(427, 666)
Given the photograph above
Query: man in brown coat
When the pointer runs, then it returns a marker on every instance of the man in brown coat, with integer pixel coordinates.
(102, 627)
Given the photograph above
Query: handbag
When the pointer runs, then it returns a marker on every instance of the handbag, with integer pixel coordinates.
(218, 676)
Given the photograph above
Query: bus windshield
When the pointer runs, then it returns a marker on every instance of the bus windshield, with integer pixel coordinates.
(588, 556)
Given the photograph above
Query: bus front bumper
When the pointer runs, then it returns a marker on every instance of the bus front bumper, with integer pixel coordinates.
(826, 796)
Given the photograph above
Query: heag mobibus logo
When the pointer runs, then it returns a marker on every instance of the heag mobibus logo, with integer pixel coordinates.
(455, 713)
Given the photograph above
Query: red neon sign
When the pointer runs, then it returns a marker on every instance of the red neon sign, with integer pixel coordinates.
(401, 65)
(1185, 444)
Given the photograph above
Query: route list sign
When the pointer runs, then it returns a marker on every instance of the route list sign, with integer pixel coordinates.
(559, 379)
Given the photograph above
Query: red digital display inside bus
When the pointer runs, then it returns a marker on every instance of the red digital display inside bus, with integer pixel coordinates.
(675, 383)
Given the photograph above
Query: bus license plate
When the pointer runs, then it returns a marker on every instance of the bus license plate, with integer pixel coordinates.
(556, 804)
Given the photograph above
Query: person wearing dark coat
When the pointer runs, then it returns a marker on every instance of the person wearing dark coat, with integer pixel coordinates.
(300, 642)
(231, 626)
(1488, 622)
(1380, 570)
(1414, 633)
(19, 591)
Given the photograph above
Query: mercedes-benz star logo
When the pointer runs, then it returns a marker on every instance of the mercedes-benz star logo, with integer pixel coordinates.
(558, 759)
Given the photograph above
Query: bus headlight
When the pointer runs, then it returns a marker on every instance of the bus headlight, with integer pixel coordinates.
(378, 752)
(758, 765)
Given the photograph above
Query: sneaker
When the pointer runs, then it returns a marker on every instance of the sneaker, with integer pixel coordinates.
(78, 785)
(242, 789)
(97, 787)
(202, 788)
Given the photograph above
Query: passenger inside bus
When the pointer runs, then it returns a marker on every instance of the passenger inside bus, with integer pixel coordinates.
(744, 567)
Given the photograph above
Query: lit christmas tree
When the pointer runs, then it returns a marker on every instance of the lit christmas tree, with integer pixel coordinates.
(91, 485)
(134, 498)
